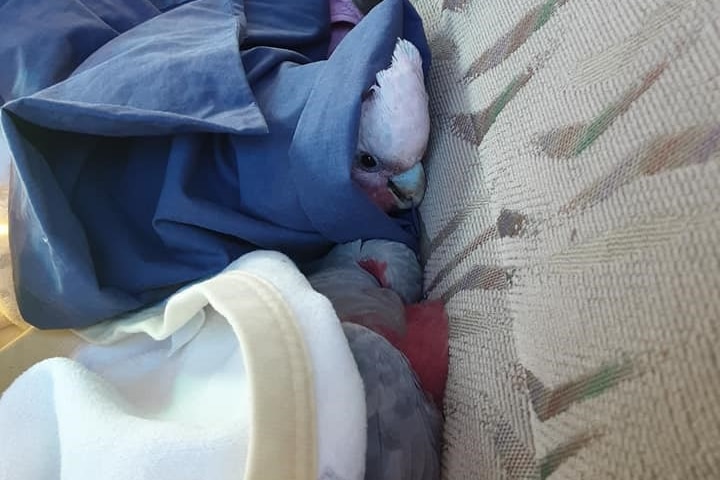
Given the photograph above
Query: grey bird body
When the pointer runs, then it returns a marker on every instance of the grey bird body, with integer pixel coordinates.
(404, 427)
(360, 297)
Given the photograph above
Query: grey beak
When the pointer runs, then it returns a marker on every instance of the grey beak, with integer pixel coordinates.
(408, 187)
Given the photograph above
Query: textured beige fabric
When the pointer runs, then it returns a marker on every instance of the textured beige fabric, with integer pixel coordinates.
(31, 347)
(572, 222)
(11, 322)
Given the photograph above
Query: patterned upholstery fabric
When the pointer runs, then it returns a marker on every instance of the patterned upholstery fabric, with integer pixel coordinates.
(572, 224)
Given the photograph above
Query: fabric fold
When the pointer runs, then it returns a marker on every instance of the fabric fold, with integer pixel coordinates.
(157, 79)
(242, 390)
(204, 130)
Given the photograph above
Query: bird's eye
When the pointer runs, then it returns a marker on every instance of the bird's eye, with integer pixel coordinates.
(367, 161)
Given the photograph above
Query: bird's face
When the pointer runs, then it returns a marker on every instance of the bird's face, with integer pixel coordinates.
(393, 134)
(388, 185)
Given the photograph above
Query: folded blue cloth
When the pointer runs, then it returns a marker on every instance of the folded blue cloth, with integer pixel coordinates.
(155, 141)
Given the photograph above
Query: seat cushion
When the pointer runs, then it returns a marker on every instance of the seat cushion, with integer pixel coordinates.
(571, 223)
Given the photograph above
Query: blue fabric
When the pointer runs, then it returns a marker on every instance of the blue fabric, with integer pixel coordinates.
(156, 141)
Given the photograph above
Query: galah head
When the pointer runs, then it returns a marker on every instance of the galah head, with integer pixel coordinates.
(393, 135)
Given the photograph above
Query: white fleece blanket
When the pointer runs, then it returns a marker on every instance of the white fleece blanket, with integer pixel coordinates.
(245, 375)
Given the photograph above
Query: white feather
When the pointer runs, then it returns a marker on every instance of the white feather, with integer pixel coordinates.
(394, 120)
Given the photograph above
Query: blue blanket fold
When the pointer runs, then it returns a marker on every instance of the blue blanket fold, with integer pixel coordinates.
(156, 141)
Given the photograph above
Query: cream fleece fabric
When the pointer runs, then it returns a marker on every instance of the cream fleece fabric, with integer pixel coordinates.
(248, 371)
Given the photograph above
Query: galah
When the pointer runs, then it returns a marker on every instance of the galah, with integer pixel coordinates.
(400, 347)
(369, 282)
(378, 284)
(393, 134)
(403, 425)
(394, 120)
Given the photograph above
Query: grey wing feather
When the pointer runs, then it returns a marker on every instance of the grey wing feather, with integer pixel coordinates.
(404, 427)
(356, 296)
(403, 274)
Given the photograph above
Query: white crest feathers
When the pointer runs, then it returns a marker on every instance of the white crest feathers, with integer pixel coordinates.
(395, 120)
